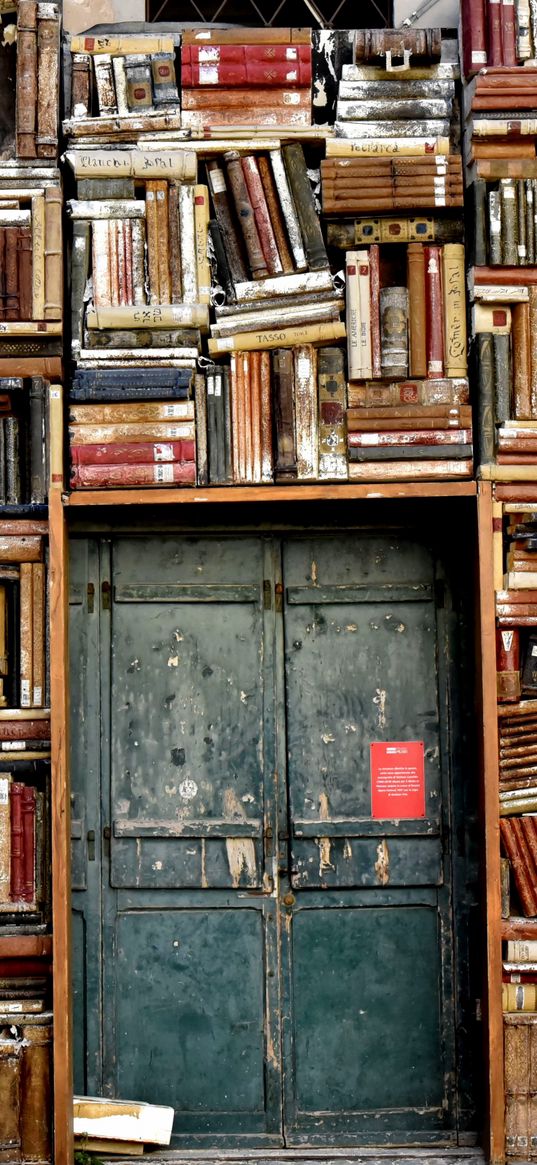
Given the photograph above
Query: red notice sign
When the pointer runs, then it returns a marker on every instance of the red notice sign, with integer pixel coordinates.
(398, 779)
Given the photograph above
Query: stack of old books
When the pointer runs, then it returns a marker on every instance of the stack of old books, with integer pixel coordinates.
(123, 88)
(226, 72)
(497, 33)
(24, 440)
(499, 109)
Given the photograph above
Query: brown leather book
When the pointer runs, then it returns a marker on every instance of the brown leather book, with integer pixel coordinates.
(284, 414)
(12, 274)
(48, 92)
(245, 214)
(26, 88)
(24, 262)
(261, 213)
(53, 253)
(374, 288)
(151, 223)
(255, 396)
(28, 844)
(511, 149)
(10, 1090)
(267, 468)
(174, 241)
(275, 214)
(15, 798)
(508, 666)
(21, 548)
(100, 253)
(416, 309)
(422, 44)
(36, 1092)
(434, 312)
(26, 634)
(533, 350)
(80, 84)
(521, 362)
(517, 849)
(225, 103)
(163, 247)
(226, 222)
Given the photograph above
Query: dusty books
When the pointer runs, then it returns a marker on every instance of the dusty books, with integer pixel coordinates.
(37, 85)
(132, 444)
(505, 360)
(362, 185)
(31, 262)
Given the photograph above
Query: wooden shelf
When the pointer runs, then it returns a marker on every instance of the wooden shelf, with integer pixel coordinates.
(333, 491)
(25, 946)
(524, 928)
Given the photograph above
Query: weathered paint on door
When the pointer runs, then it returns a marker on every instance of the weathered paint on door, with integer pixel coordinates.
(275, 964)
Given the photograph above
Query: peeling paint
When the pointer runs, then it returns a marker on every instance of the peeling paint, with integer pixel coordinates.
(178, 636)
(157, 865)
(380, 700)
(188, 789)
(173, 661)
(204, 882)
(240, 850)
(244, 697)
(382, 864)
(171, 790)
(314, 573)
(248, 798)
(327, 737)
(350, 728)
(347, 850)
(351, 627)
(400, 628)
(324, 843)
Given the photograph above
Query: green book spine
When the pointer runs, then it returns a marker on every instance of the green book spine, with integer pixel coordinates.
(295, 165)
(509, 221)
(485, 404)
(502, 377)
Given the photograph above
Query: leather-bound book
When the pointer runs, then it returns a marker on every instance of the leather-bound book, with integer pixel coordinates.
(284, 413)
(454, 305)
(53, 253)
(246, 74)
(416, 309)
(289, 210)
(502, 377)
(201, 226)
(306, 411)
(110, 476)
(139, 88)
(202, 459)
(38, 634)
(375, 46)
(223, 272)
(245, 214)
(509, 222)
(121, 262)
(113, 259)
(12, 461)
(353, 323)
(434, 312)
(533, 350)
(36, 1090)
(137, 453)
(24, 261)
(474, 36)
(151, 221)
(508, 665)
(295, 165)
(38, 484)
(332, 387)
(26, 90)
(494, 20)
(267, 464)
(222, 207)
(130, 412)
(120, 85)
(394, 331)
(530, 221)
(102, 292)
(28, 843)
(187, 220)
(17, 841)
(374, 309)
(80, 84)
(80, 258)
(26, 634)
(219, 55)
(508, 33)
(164, 80)
(484, 356)
(519, 847)
(163, 248)
(2, 273)
(261, 214)
(265, 35)
(255, 397)
(104, 83)
(138, 236)
(521, 344)
(364, 291)
(48, 79)
(12, 274)
(5, 837)
(521, 223)
(495, 227)
(174, 240)
(275, 214)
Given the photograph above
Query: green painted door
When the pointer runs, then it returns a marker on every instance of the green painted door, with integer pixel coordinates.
(252, 945)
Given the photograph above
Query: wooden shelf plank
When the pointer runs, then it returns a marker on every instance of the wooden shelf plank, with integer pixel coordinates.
(332, 491)
(25, 946)
(525, 928)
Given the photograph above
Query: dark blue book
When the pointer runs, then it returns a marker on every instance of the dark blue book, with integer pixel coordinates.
(412, 453)
(124, 384)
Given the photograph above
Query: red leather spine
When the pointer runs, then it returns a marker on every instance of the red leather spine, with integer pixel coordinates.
(106, 476)
(240, 53)
(282, 74)
(494, 13)
(131, 453)
(17, 869)
(434, 313)
(28, 843)
(507, 17)
(374, 287)
(474, 36)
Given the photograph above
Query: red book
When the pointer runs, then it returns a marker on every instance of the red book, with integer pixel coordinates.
(28, 844)
(494, 13)
(130, 453)
(17, 865)
(25, 729)
(280, 74)
(508, 30)
(267, 238)
(411, 437)
(474, 36)
(508, 665)
(374, 289)
(109, 476)
(241, 53)
(434, 313)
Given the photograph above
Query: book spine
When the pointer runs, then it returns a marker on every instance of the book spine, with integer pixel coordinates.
(416, 309)
(164, 80)
(394, 331)
(12, 461)
(152, 242)
(36, 1087)
(24, 262)
(174, 237)
(275, 214)
(252, 341)
(188, 244)
(485, 401)
(521, 224)
(265, 390)
(332, 404)
(80, 255)
(261, 214)
(284, 413)
(508, 666)
(12, 274)
(530, 222)
(289, 210)
(113, 260)
(353, 320)
(108, 476)
(130, 412)
(53, 254)
(28, 844)
(364, 291)
(222, 207)
(306, 414)
(26, 86)
(434, 312)
(523, 33)
(26, 635)
(102, 286)
(502, 377)
(38, 634)
(5, 838)
(508, 33)
(245, 215)
(139, 89)
(509, 223)
(140, 453)
(118, 432)
(201, 223)
(474, 38)
(17, 842)
(48, 79)
(120, 85)
(38, 257)
(295, 165)
(255, 394)
(38, 489)
(163, 246)
(521, 364)
(138, 234)
(454, 301)
(121, 262)
(374, 275)
(104, 81)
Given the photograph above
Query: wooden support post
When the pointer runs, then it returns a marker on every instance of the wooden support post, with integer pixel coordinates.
(492, 1009)
(61, 831)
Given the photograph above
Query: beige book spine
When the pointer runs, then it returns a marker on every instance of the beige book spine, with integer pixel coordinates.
(26, 635)
(188, 244)
(364, 290)
(102, 291)
(163, 243)
(152, 240)
(53, 253)
(454, 297)
(267, 458)
(288, 210)
(496, 320)
(113, 259)
(121, 45)
(107, 414)
(120, 82)
(56, 435)
(176, 315)
(48, 78)
(385, 147)
(138, 264)
(353, 320)
(306, 412)
(38, 256)
(179, 164)
(5, 837)
(201, 223)
(533, 351)
(284, 338)
(408, 470)
(121, 262)
(143, 431)
(38, 635)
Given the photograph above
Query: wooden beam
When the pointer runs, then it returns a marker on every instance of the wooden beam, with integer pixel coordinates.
(271, 493)
(61, 831)
(493, 1019)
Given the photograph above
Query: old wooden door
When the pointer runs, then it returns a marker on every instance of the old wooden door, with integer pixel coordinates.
(252, 945)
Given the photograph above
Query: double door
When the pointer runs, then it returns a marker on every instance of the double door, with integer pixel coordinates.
(257, 940)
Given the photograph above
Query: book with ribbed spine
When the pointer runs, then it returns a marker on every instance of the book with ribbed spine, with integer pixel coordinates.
(109, 476)
(140, 453)
(284, 413)
(26, 85)
(245, 214)
(295, 165)
(454, 302)
(416, 309)
(222, 207)
(394, 331)
(48, 80)
(332, 390)
(17, 841)
(306, 411)
(434, 311)
(5, 837)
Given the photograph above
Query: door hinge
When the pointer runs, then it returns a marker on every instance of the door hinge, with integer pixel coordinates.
(106, 596)
(90, 593)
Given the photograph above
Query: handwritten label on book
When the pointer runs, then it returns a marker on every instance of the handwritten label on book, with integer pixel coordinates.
(398, 779)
